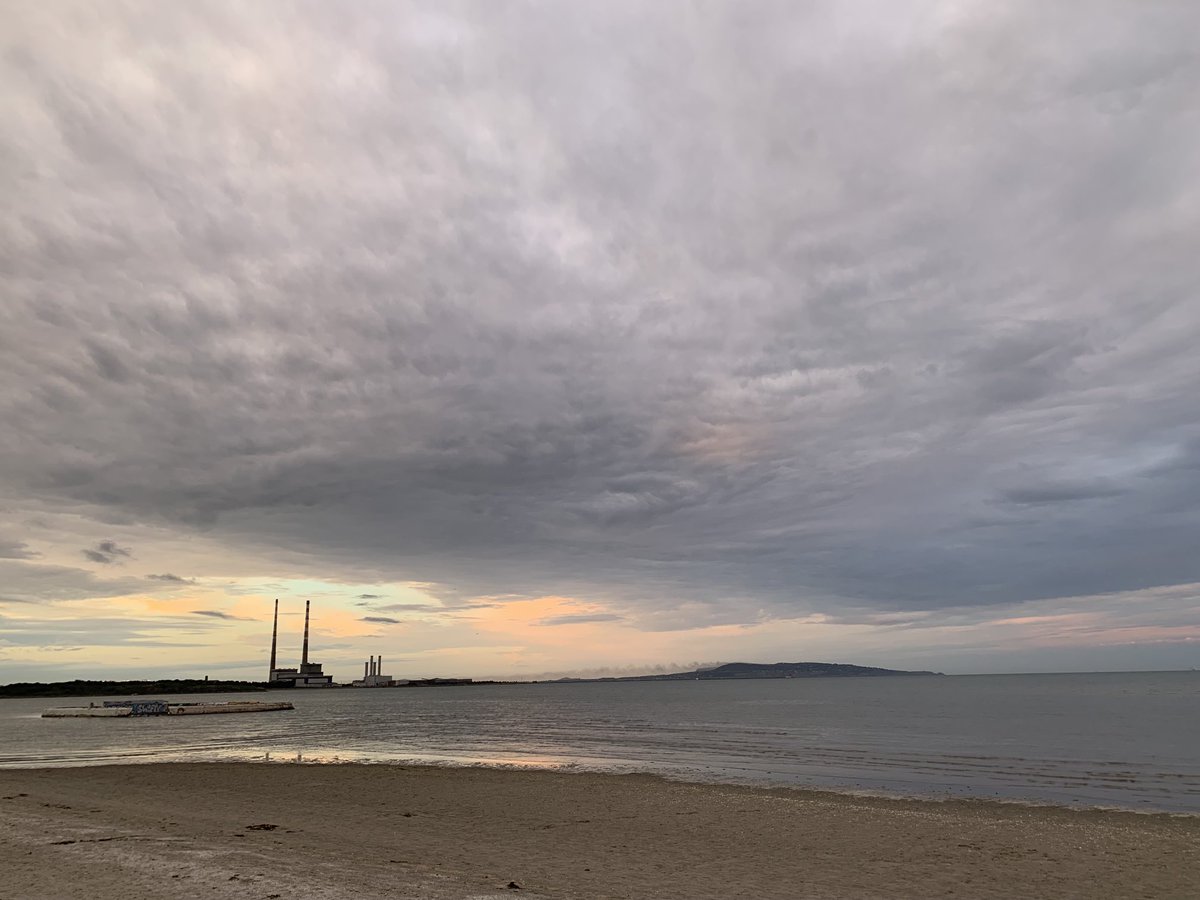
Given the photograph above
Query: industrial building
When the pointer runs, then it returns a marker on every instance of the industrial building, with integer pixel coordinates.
(372, 675)
(309, 674)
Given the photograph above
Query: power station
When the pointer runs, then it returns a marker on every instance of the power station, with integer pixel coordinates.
(373, 675)
(309, 674)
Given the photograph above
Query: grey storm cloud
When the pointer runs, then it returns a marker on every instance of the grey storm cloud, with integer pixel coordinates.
(173, 579)
(381, 620)
(709, 313)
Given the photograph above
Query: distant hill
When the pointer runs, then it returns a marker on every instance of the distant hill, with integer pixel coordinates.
(79, 688)
(738, 670)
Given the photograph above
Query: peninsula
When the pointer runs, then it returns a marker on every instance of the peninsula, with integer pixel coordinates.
(741, 670)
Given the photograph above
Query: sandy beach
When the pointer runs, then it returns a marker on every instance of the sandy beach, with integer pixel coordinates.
(304, 832)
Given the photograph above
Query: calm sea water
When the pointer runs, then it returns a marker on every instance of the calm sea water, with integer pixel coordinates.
(1126, 740)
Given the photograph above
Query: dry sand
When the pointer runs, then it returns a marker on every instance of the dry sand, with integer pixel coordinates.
(192, 830)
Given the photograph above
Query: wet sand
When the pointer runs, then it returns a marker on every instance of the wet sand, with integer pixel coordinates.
(308, 832)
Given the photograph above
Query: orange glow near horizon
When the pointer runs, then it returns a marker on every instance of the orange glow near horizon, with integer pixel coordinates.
(224, 626)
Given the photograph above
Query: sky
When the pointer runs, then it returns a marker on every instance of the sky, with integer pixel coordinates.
(528, 339)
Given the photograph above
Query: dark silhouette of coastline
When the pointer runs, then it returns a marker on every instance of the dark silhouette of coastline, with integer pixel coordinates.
(739, 670)
(727, 672)
(82, 688)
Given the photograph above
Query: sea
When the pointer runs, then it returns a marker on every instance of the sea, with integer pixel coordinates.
(1116, 740)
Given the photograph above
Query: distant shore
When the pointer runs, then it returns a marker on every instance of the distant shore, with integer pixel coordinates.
(304, 832)
(726, 672)
(96, 688)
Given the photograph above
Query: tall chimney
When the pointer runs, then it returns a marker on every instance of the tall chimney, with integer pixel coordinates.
(372, 665)
(366, 669)
(379, 665)
(274, 637)
(304, 651)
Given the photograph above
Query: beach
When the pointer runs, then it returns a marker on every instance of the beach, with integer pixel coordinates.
(308, 832)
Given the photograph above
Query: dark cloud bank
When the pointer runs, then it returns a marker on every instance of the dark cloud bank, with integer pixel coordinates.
(709, 313)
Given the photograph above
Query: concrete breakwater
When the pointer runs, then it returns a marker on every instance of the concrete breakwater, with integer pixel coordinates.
(140, 708)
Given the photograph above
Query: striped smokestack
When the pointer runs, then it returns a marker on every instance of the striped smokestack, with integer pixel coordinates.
(304, 650)
(274, 638)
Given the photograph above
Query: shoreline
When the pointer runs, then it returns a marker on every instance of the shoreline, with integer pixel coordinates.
(182, 829)
(317, 760)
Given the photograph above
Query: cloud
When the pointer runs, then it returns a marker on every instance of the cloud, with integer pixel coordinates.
(1059, 493)
(775, 313)
(175, 579)
(10, 549)
(421, 607)
(370, 596)
(579, 619)
(217, 614)
(41, 583)
(101, 631)
(107, 552)
(381, 620)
